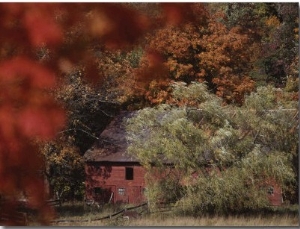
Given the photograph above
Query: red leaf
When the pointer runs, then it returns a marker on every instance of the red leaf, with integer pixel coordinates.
(117, 25)
(21, 67)
(42, 122)
(41, 26)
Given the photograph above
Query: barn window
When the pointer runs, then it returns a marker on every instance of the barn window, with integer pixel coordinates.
(121, 191)
(128, 173)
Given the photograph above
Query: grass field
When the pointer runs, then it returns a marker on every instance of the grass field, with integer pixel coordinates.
(76, 215)
(189, 221)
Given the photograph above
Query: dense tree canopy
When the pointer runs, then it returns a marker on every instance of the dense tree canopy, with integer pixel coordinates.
(66, 70)
(254, 143)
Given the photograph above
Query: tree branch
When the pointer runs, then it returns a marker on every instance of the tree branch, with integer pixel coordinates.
(74, 129)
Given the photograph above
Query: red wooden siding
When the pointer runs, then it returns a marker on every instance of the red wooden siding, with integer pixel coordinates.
(107, 182)
(274, 193)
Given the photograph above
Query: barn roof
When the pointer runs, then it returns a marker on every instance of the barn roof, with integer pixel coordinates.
(112, 145)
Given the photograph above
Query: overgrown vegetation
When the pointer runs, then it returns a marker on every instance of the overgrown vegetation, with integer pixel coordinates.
(235, 153)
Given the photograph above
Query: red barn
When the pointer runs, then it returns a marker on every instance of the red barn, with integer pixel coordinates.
(113, 176)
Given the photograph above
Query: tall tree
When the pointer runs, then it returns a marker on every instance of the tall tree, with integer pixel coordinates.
(203, 50)
(87, 112)
(64, 169)
(241, 146)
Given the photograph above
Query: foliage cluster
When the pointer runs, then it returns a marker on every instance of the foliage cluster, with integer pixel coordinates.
(226, 155)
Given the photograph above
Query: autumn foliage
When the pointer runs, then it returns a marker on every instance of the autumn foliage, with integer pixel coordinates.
(39, 42)
(42, 43)
(209, 52)
(27, 111)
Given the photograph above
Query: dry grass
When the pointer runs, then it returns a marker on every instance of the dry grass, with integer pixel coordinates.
(282, 217)
(189, 221)
(276, 220)
(217, 221)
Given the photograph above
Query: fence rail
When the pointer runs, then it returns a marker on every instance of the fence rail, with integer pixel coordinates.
(55, 203)
(123, 211)
(19, 217)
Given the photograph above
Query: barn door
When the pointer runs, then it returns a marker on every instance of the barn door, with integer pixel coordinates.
(105, 194)
(135, 194)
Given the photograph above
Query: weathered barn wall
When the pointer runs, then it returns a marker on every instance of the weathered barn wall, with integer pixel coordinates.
(115, 182)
